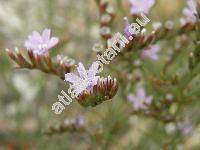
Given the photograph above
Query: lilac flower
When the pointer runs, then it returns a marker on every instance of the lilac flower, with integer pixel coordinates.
(151, 52)
(140, 101)
(190, 12)
(81, 120)
(141, 6)
(185, 128)
(40, 44)
(126, 28)
(86, 80)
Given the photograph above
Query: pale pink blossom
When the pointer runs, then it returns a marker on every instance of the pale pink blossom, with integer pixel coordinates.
(40, 44)
(86, 80)
(151, 52)
(140, 101)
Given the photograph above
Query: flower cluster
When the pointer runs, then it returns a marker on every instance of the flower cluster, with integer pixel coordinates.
(104, 90)
(162, 93)
(38, 57)
(90, 89)
(149, 52)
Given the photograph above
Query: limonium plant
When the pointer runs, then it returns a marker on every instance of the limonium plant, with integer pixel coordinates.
(145, 80)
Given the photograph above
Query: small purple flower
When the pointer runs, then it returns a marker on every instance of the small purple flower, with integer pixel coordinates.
(141, 6)
(81, 120)
(40, 44)
(190, 12)
(126, 28)
(86, 80)
(140, 101)
(151, 52)
(185, 128)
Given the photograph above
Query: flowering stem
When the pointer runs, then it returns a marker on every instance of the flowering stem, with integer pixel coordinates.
(39, 62)
(161, 35)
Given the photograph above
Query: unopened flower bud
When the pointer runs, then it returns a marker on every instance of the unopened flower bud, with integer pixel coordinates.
(11, 54)
(98, 48)
(105, 32)
(169, 25)
(65, 60)
(137, 63)
(110, 11)
(105, 19)
(156, 25)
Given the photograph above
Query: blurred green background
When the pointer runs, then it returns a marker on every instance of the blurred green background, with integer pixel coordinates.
(26, 96)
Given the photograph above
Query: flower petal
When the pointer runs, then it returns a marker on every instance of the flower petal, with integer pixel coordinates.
(93, 70)
(126, 27)
(52, 42)
(148, 100)
(29, 45)
(46, 35)
(74, 79)
(81, 70)
(155, 48)
(36, 37)
(141, 93)
(131, 98)
(153, 56)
